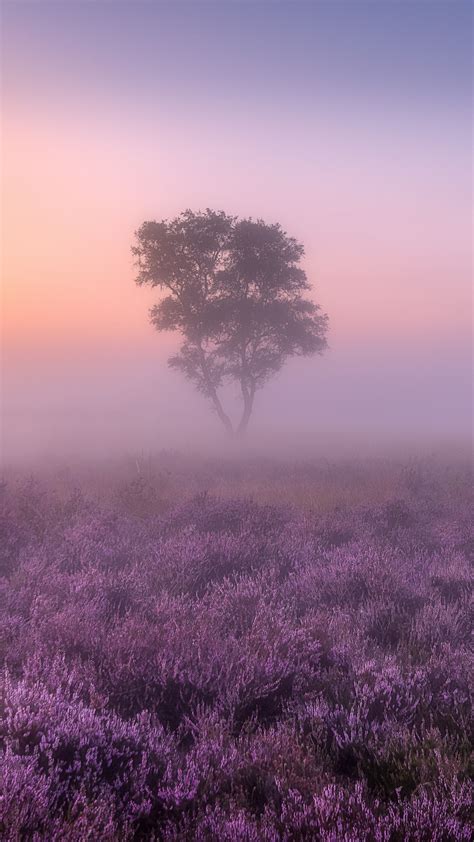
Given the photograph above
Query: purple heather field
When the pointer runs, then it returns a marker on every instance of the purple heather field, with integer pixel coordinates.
(237, 650)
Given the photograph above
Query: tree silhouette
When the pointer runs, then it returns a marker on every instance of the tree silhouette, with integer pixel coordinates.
(235, 294)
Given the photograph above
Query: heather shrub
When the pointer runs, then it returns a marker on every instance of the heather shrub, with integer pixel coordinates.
(208, 668)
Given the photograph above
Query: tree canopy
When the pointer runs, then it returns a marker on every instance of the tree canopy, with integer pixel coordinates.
(235, 292)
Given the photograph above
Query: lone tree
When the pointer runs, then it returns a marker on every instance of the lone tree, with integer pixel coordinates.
(235, 293)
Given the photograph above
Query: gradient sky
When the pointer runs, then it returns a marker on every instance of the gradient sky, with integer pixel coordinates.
(348, 122)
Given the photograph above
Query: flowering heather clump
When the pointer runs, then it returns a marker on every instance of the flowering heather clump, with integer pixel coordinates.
(220, 669)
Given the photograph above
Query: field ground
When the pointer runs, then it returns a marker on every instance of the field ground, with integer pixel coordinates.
(211, 649)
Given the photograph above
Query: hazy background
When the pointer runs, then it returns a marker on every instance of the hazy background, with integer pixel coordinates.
(350, 123)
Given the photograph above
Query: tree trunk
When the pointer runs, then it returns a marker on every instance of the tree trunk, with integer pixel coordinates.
(248, 396)
(214, 396)
(221, 414)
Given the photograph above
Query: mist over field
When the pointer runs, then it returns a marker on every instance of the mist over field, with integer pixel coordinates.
(236, 421)
(350, 401)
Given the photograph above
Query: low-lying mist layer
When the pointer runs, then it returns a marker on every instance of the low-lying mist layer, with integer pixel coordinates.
(184, 665)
